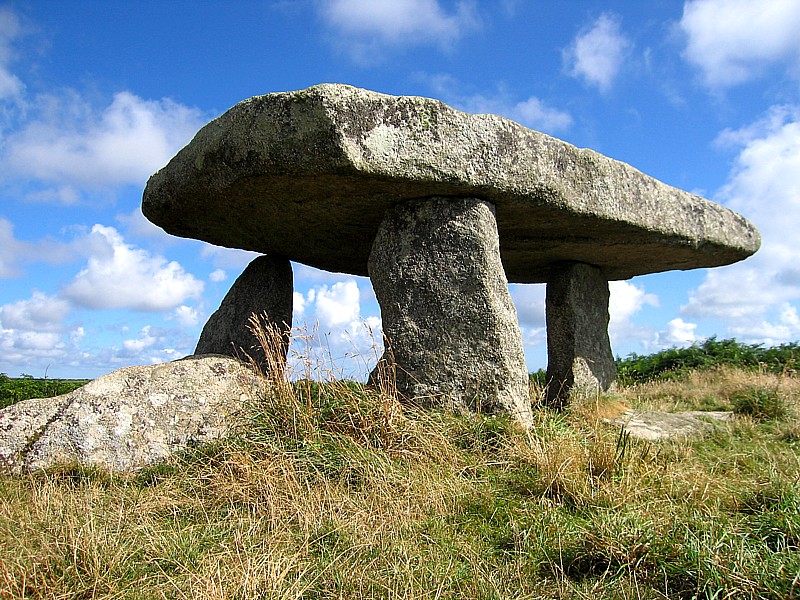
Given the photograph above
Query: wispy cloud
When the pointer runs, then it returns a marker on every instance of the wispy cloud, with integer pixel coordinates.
(598, 53)
(11, 250)
(532, 112)
(15, 252)
(366, 27)
(11, 87)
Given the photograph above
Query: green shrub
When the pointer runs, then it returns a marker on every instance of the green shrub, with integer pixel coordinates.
(763, 403)
(26, 386)
(538, 378)
(677, 362)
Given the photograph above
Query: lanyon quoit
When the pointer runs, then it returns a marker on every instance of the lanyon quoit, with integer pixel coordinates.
(441, 209)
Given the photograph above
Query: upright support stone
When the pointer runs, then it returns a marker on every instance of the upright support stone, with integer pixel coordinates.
(265, 287)
(451, 327)
(579, 358)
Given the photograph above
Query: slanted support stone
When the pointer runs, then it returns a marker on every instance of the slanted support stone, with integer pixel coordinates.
(263, 289)
(450, 325)
(579, 358)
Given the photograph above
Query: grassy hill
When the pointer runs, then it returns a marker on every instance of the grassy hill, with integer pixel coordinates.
(14, 389)
(335, 491)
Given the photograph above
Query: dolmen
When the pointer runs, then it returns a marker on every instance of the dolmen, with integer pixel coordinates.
(441, 209)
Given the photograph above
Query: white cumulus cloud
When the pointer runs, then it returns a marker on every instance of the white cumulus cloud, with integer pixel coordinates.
(135, 346)
(334, 315)
(783, 326)
(33, 333)
(534, 113)
(336, 305)
(627, 299)
(39, 313)
(68, 147)
(678, 333)
(732, 40)
(187, 316)
(39, 341)
(119, 275)
(32, 348)
(298, 305)
(756, 297)
(598, 53)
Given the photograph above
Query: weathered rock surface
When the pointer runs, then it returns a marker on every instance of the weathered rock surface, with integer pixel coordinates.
(447, 314)
(310, 175)
(130, 418)
(264, 287)
(654, 425)
(579, 357)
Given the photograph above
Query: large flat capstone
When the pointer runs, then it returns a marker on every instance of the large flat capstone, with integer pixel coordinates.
(310, 175)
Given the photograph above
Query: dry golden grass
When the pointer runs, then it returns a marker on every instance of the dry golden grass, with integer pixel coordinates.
(709, 390)
(339, 491)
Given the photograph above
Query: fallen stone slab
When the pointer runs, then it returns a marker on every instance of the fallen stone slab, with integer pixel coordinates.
(131, 418)
(655, 426)
(310, 174)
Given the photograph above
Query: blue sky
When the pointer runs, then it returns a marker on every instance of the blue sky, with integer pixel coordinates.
(95, 96)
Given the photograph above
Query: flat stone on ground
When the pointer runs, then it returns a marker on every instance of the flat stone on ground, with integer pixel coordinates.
(654, 425)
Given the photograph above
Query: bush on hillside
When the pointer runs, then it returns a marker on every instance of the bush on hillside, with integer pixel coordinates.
(676, 362)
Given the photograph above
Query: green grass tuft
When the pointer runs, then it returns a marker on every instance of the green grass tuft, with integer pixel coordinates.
(761, 402)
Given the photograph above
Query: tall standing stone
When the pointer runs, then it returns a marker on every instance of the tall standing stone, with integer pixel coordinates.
(451, 327)
(265, 287)
(579, 358)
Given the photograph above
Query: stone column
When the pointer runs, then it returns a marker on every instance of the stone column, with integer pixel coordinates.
(579, 358)
(450, 325)
(265, 287)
